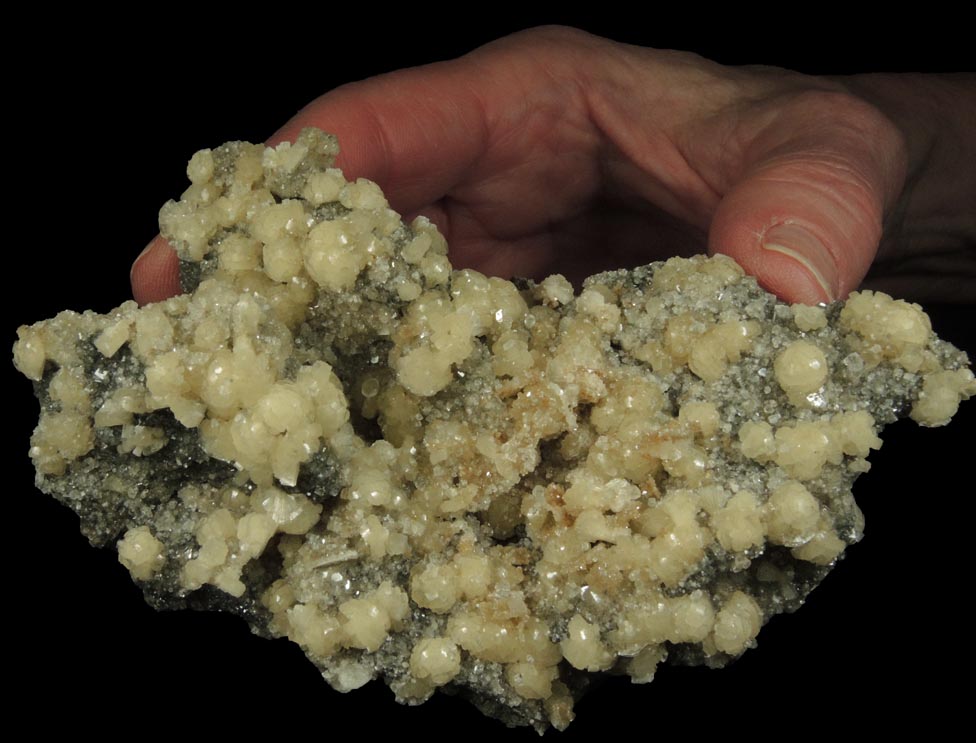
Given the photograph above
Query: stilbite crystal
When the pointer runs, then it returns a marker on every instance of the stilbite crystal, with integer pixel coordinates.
(446, 480)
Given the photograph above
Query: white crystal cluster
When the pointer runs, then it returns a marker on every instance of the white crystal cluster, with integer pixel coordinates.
(450, 480)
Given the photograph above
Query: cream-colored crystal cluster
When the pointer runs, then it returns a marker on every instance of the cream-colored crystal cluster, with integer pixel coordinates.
(446, 479)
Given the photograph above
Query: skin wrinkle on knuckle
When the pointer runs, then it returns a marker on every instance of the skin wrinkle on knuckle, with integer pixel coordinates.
(845, 188)
(853, 124)
(832, 118)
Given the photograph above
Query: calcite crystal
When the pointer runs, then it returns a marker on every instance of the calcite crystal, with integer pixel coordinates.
(456, 482)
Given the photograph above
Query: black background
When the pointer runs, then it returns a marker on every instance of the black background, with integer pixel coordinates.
(111, 127)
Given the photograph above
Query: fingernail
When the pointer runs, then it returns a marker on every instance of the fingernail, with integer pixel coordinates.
(145, 251)
(800, 245)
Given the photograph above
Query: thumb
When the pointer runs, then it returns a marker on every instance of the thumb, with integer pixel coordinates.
(805, 214)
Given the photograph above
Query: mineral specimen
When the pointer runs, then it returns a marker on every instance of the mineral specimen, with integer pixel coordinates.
(452, 481)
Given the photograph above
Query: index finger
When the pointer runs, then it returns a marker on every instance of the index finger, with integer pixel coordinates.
(415, 132)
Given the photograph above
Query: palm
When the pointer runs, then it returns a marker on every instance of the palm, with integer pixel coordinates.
(518, 172)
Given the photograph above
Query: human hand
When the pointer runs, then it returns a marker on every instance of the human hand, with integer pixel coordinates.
(870, 595)
(556, 151)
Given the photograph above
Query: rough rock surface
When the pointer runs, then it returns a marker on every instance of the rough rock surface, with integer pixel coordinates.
(450, 481)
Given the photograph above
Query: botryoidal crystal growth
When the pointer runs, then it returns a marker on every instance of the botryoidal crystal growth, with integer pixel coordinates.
(452, 481)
